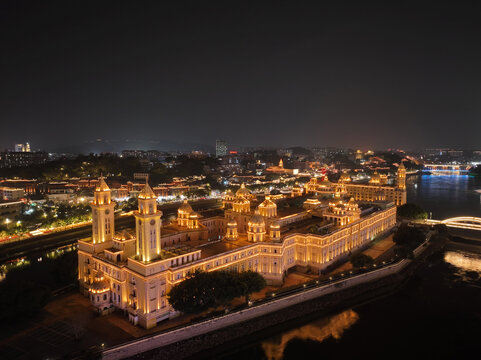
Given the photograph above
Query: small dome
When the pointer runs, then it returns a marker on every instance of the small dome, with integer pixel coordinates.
(275, 226)
(256, 220)
(243, 191)
(232, 222)
(124, 235)
(100, 283)
(268, 203)
(185, 207)
(325, 181)
(194, 215)
(345, 177)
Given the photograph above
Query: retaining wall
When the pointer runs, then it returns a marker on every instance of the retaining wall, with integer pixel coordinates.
(135, 347)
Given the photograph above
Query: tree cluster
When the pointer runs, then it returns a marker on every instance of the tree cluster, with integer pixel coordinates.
(361, 260)
(411, 211)
(27, 289)
(407, 238)
(204, 290)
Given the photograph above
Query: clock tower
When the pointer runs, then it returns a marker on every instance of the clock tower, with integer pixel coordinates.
(102, 214)
(148, 224)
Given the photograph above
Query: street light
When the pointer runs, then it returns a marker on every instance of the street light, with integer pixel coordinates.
(7, 221)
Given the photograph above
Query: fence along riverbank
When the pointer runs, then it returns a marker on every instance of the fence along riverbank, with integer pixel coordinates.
(151, 342)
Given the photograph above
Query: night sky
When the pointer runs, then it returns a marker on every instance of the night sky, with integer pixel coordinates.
(171, 74)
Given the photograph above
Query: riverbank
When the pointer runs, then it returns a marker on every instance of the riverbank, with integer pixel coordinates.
(192, 340)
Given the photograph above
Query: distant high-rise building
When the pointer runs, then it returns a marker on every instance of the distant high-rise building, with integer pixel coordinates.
(22, 147)
(220, 148)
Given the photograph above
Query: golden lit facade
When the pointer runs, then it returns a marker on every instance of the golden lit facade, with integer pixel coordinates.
(135, 273)
(375, 190)
(102, 214)
(148, 224)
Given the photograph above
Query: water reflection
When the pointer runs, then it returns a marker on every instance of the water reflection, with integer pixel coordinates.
(317, 331)
(446, 195)
(463, 261)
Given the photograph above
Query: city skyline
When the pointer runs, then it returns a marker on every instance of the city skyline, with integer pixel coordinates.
(267, 74)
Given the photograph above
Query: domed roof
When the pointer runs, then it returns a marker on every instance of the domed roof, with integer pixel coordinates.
(345, 177)
(267, 203)
(124, 235)
(185, 207)
(243, 191)
(275, 225)
(297, 186)
(256, 220)
(193, 215)
(232, 222)
(325, 181)
(100, 283)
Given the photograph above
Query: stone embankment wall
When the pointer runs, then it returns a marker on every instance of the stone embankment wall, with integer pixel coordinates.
(193, 338)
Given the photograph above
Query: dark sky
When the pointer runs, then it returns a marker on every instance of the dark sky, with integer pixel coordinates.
(278, 73)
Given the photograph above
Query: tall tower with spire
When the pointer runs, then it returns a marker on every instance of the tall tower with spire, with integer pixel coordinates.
(148, 225)
(401, 176)
(102, 214)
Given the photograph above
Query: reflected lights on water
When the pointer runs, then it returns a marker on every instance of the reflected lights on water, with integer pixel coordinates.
(317, 331)
(463, 261)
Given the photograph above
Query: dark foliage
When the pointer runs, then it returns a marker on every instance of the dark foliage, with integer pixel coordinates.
(204, 290)
(411, 211)
(361, 260)
(27, 289)
(407, 238)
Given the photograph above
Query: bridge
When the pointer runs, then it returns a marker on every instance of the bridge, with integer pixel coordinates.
(447, 167)
(460, 222)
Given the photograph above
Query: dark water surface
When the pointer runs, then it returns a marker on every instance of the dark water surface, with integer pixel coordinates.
(446, 195)
(436, 315)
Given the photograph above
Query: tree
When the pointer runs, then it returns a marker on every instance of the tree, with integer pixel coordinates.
(412, 211)
(204, 290)
(407, 238)
(251, 282)
(361, 260)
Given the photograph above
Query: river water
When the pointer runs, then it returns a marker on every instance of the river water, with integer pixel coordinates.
(437, 315)
(446, 196)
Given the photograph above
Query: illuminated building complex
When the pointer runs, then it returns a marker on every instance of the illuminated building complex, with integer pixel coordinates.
(134, 271)
(376, 190)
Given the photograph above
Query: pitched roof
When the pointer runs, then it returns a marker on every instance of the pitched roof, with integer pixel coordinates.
(147, 192)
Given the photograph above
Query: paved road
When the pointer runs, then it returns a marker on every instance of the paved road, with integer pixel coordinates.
(39, 244)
